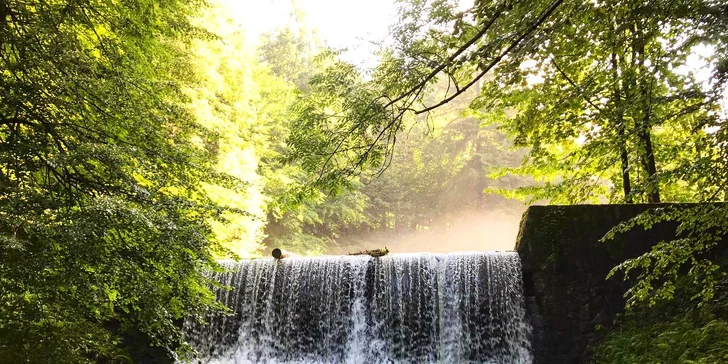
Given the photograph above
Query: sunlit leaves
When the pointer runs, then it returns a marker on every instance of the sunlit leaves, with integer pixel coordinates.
(700, 229)
(104, 222)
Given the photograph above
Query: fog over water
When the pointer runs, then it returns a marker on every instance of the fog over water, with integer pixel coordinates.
(481, 231)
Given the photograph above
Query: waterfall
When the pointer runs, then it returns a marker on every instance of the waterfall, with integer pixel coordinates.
(401, 308)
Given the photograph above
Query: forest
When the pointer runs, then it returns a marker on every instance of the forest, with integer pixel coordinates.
(141, 141)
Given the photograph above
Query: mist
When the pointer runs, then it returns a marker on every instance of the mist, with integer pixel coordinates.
(466, 231)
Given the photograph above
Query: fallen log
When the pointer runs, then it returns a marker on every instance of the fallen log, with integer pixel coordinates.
(280, 254)
(375, 253)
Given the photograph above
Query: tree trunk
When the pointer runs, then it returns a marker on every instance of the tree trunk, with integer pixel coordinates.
(648, 162)
(644, 128)
(622, 139)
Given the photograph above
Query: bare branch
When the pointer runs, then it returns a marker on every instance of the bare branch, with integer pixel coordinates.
(497, 59)
(450, 59)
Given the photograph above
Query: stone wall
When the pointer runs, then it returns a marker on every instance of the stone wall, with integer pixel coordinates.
(564, 271)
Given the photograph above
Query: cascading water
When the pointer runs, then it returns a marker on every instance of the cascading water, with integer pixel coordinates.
(412, 308)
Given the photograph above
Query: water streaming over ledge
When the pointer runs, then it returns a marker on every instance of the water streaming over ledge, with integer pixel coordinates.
(401, 308)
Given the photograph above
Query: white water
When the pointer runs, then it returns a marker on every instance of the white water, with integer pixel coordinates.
(412, 308)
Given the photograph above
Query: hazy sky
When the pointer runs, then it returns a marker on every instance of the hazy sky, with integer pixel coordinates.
(351, 24)
(357, 24)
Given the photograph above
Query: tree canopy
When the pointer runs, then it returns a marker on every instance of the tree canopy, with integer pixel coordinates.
(104, 224)
(605, 97)
(143, 140)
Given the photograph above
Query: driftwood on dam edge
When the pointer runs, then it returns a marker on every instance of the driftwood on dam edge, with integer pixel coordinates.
(280, 254)
(374, 253)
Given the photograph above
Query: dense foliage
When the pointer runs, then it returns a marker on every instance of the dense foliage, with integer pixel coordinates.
(686, 338)
(670, 333)
(606, 97)
(141, 140)
(103, 223)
